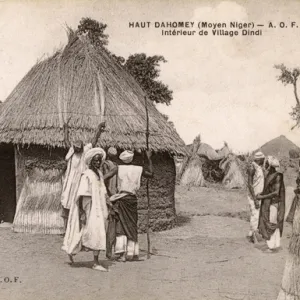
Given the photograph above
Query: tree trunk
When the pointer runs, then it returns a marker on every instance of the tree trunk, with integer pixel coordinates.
(295, 92)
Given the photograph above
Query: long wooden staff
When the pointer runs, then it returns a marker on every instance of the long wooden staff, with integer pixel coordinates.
(148, 196)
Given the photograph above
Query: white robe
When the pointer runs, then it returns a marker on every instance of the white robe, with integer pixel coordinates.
(92, 235)
(274, 241)
(258, 186)
(76, 166)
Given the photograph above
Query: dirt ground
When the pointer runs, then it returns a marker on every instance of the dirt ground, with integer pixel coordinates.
(205, 257)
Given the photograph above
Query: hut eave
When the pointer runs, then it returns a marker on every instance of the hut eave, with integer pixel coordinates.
(53, 137)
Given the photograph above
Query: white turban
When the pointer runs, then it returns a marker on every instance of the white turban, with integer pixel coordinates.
(126, 156)
(274, 162)
(259, 155)
(91, 153)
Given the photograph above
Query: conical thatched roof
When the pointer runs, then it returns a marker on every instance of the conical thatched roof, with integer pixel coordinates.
(75, 83)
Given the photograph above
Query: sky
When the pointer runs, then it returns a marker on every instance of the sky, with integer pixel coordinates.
(224, 88)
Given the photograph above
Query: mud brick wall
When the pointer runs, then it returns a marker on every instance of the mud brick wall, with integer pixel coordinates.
(161, 191)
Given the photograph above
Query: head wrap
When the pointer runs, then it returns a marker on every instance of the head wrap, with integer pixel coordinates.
(91, 153)
(259, 155)
(274, 162)
(127, 156)
(112, 151)
(78, 144)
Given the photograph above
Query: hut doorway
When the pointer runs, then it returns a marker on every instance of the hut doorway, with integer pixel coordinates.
(7, 183)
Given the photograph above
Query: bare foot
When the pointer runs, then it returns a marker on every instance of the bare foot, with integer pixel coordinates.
(99, 268)
(133, 258)
(121, 258)
(268, 251)
(261, 246)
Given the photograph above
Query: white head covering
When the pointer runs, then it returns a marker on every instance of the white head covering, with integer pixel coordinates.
(112, 151)
(91, 153)
(259, 155)
(126, 156)
(274, 162)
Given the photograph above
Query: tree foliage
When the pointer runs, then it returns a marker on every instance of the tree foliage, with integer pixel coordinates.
(145, 69)
(293, 153)
(290, 76)
(94, 30)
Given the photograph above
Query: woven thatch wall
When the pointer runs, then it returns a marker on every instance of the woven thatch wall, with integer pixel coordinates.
(39, 182)
(192, 175)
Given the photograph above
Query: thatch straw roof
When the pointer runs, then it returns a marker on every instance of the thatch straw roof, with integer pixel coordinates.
(75, 83)
(208, 152)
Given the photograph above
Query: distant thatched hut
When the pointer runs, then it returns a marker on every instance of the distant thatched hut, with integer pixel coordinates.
(84, 84)
(233, 178)
(191, 171)
(204, 164)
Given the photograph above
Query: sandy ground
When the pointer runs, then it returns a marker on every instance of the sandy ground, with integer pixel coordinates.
(205, 257)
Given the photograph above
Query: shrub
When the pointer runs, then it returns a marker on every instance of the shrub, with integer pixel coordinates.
(294, 153)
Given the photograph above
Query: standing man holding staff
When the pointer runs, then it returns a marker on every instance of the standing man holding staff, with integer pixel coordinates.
(125, 204)
(75, 167)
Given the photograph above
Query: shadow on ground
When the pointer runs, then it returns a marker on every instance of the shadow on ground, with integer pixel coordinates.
(182, 219)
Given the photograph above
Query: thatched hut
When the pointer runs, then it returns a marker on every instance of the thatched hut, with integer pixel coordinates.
(191, 171)
(84, 85)
(234, 177)
(204, 164)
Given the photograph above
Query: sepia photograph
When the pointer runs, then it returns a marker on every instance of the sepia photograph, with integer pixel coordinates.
(149, 150)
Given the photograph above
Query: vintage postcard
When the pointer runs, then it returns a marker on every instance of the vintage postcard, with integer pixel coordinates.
(149, 149)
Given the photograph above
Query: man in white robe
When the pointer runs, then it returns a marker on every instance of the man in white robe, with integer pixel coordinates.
(255, 187)
(88, 214)
(75, 167)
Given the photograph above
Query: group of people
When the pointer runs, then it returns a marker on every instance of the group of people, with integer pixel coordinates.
(99, 200)
(266, 198)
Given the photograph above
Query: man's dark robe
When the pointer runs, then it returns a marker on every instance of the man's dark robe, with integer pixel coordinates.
(122, 220)
(265, 227)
